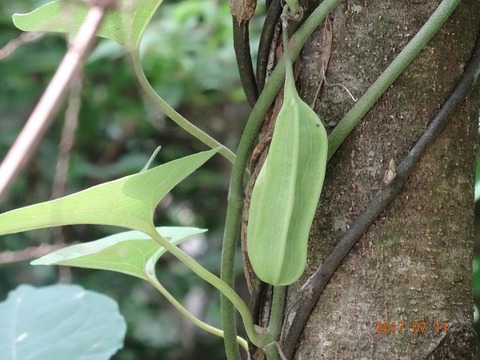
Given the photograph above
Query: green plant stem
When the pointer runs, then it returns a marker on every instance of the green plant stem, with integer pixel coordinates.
(378, 88)
(172, 114)
(294, 6)
(272, 351)
(206, 275)
(235, 194)
(211, 329)
(276, 320)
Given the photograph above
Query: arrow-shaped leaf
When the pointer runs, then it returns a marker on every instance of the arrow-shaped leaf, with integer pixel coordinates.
(128, 202)
(127, 252)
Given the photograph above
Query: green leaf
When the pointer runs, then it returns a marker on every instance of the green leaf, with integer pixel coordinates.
(124, 24)
(287, 190)
(61, 322)
(127, 252)
(128, 202)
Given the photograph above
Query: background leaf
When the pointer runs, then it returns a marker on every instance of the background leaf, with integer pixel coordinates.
(61, 322)
(127, 252)
(124, 24)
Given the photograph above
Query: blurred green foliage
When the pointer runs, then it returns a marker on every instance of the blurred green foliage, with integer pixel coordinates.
(188, 56)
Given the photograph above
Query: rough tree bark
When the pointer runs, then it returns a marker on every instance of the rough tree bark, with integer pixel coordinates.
(414, 262)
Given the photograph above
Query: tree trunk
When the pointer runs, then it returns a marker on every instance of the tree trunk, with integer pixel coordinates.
(404, 290)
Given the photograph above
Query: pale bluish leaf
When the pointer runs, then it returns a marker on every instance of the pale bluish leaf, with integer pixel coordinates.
(61, 322)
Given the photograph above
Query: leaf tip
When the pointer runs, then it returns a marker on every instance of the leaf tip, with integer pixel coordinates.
(38, 262)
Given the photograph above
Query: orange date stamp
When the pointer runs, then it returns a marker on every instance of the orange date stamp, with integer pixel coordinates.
(415, 327)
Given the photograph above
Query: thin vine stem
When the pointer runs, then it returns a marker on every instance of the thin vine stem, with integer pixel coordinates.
(214, 281)
(188, 315)
(172, 114)
(391, 73)
(275, 322)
